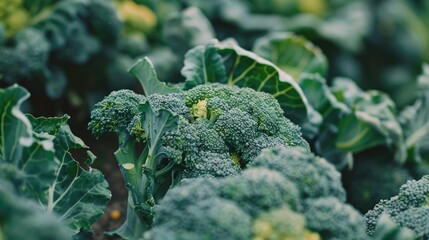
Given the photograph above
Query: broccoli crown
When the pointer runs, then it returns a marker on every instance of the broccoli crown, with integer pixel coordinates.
(217, 124)
(231, 121)
(115, 113)
(268, 202)
(259, 106)
(409, 208)
(333, 219)
(313, 176)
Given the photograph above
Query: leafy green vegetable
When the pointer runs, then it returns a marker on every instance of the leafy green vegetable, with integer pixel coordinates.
(35, 156)
(145, 72)
(355, 119)
(291, 53)
(415, 124)
(22, 218)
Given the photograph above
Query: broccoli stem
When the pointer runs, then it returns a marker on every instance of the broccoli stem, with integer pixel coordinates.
(140, 201)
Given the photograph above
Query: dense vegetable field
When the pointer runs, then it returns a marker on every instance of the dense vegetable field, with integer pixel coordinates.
(227, 119)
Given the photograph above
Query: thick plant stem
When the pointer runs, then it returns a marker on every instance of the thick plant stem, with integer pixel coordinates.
(139, 215)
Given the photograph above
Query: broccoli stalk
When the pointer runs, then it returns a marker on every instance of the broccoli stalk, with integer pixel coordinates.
(140, 172)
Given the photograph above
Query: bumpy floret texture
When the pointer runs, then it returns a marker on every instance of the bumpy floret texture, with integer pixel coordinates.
(334, 220)
(267, 199)
(115, 112)
(210, 165)
(261, 107)
(216, 123)
(314, 176)
(258, 190)
(408, 209)
(194, 208)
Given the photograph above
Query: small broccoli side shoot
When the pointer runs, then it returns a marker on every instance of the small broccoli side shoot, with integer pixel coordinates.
(115, 113)
(408, 209)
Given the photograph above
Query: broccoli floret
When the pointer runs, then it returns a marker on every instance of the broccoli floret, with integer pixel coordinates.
(371, 180)
(314, 176)
(255, 146)
(259, 189)
(115, 112)
(416, 219)
(389, 230)
(209, 164)
(409, 208)
(194, 209)
(280, 224)
(333, 219)
(172, 102)
(236, 128)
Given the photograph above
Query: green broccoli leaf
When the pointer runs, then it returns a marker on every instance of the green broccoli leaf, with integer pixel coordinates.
(353, 120)
(22, 218)
(144, 71)
(35, 156)
(77, 196)
(372, 123)
(28, 161)
(291, 53)
(203, 64)
(187, 29)
(415, 123)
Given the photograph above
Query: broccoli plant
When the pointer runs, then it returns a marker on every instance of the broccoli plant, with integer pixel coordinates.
(211, 130)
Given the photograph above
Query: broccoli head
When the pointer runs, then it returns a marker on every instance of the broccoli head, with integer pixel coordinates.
(408, 209)
(214, 120)
(264, 197)
(234, 122)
